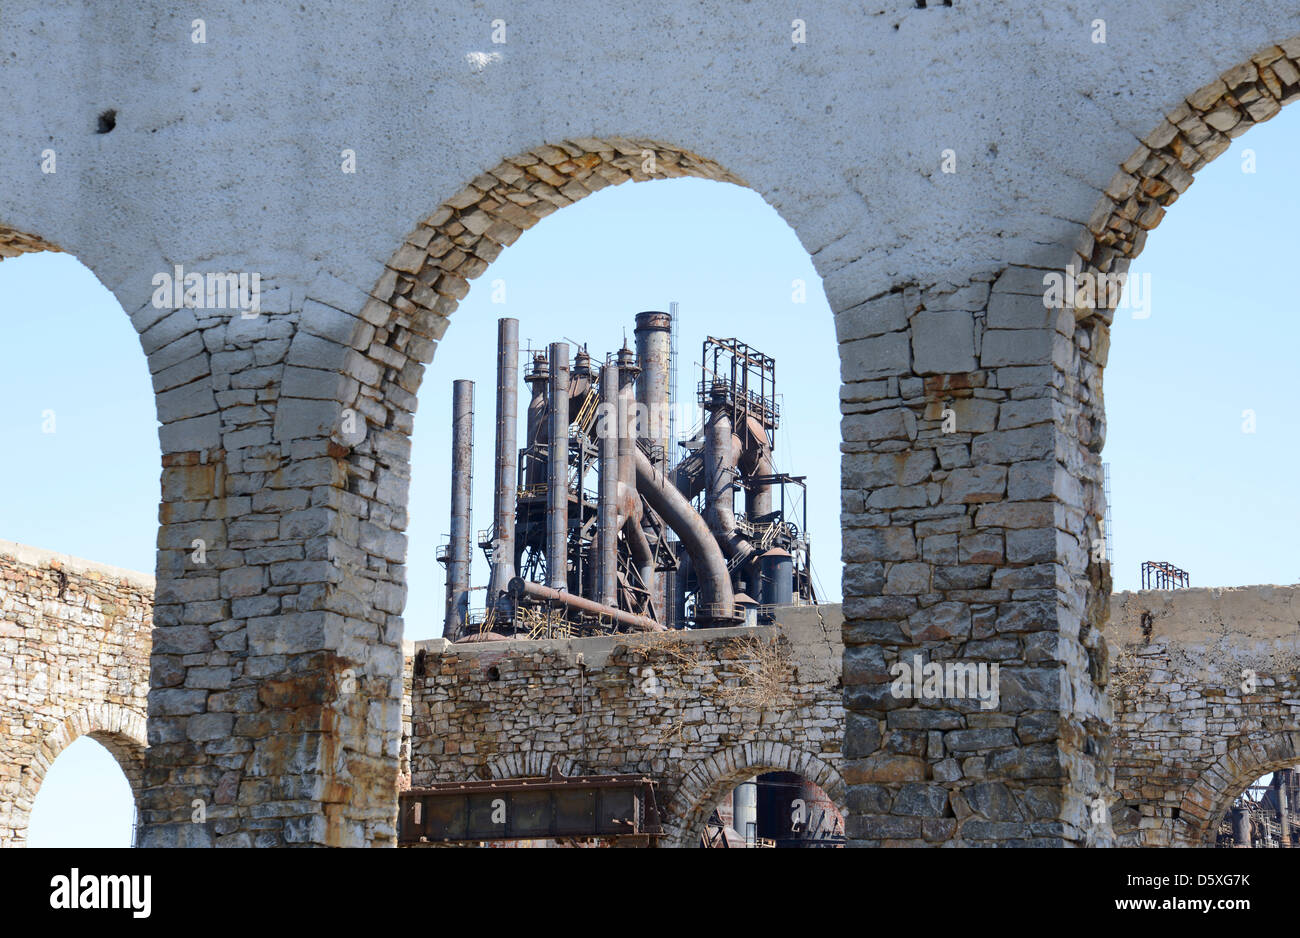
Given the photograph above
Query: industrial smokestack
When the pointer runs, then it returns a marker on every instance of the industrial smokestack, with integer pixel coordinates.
(462, 481)
(654, 355)
(607, 503)
(557, 475)
(654, 352)
(507, 456)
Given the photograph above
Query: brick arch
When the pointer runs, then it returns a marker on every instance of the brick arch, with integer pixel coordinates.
(118, 729)
(710, 777)
(1197, 130)
(1218, 786)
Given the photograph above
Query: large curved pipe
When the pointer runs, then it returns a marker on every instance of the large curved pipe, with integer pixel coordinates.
(693, 532)
(720, 453)
(519, 587)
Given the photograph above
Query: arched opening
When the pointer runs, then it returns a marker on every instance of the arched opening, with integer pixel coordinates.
(84, 800)
(1192, 390)
(1263, 814)
(82, 483)
(429, 277)
(729, 263)
(80, 785)
(775, 809)
(733, 268)
(1198, 392)
(803, 801)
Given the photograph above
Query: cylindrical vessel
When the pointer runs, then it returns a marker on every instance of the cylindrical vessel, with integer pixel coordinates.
(507, 457)
(557, 476)
(538, 379)
(1240, 827)
(607, 430)
(462, 482)
(778, 578)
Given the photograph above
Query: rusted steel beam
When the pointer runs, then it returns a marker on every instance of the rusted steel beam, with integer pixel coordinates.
(530, 809)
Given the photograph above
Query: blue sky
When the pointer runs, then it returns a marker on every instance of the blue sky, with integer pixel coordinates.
(1188, 486)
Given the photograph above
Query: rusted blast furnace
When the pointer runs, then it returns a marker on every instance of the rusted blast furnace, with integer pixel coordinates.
(598, 526)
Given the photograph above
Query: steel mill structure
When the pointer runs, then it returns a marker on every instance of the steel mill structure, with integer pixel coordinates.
(596, 526)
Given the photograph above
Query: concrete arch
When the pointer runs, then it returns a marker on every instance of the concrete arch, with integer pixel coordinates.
(1214, 791)
(706, 781)
(118, 729)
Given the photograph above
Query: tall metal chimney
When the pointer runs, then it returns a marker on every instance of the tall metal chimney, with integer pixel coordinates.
(654, 352)
(557, 474)
(608, 429)
(462, 481)
(507, 457)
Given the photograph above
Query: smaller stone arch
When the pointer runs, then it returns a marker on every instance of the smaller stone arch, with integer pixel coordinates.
(1214, 791)
(118, 729)
(704, 783)
(528, 765)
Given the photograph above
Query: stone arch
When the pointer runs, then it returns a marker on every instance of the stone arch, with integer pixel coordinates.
(1192, 133)
(118, 729)
(14, 243)
(407, 311)
(1196, 131)
(384, 352)
(1214, 791)
(528, 765)
(708, 778)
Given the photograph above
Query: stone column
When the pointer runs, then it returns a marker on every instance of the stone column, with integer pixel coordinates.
(966, 547)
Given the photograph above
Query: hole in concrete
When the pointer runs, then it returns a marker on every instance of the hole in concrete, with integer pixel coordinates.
(107, 121)
(493, 673)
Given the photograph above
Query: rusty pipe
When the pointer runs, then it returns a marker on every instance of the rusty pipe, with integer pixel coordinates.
(519, 588)
(720, 456)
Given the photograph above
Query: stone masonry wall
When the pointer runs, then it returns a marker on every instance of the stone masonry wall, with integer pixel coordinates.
(1206, 688)
(699, 711)
(74, 661)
